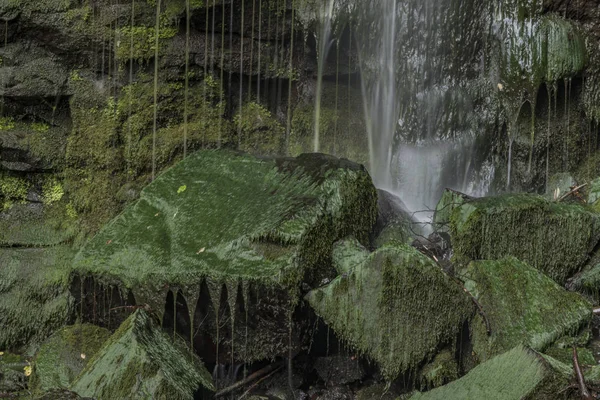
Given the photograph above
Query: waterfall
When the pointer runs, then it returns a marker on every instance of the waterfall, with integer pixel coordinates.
(419, 115)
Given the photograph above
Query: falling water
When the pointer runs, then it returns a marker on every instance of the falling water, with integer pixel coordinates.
(130, 111)
(290, 80)
(157, 29)
(379, 99)
(418, 116)
(259, 49)
(323, 48)
(187, 76)
(241, 99)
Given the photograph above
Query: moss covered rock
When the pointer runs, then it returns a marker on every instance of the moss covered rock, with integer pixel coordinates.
(522, 306)
(394, 221)
(443, 369)
(238, 225)
(555, 238)
(34, 296)
(63, 356)
(139, 361)
(380, 307)
(517, 374)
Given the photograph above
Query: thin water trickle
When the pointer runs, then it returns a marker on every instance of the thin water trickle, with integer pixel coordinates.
(156, 42)
(241, 99)
(290, 80)
(324, 44)
(3, 79)
(187, 76)
(130, 107)
(259, 49)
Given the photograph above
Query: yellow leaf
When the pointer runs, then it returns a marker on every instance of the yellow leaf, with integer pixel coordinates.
(27, 370)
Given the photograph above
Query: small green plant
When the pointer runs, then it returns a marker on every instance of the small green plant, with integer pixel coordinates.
(71, 212)
(7, 123)
(52, 191)
(13, 190)
(75, 77)
(40, 126)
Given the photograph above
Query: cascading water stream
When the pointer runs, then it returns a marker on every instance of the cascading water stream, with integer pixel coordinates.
(324, 44)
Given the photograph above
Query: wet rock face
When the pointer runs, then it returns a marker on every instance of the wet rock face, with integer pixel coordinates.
(553, 237)
(376, 306)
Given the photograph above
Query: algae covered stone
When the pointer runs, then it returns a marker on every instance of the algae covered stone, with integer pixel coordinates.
(64, 355)
(517, 374)
(555, 238)
(238, 225)
(139, 361)
(522, 306)
(379, 305)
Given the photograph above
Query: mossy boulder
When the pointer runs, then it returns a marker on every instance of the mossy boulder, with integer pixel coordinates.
(394, 221)
(380, 307)
(238, 226)
(441, 370)
(522, 306)
(555, 238)
(140, 361)
(517, 374)
(63, 356)
(450, 200)
(34, 296)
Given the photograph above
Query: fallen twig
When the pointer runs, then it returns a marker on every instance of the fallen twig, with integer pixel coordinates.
(258, 374)
(585, 393)
(251, 388)
(577, 189)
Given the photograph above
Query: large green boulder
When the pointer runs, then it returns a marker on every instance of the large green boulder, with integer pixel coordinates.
(553, 237)
(517, 374)
(63, 356)
(395, 305)
(522, 306)
(140, 361)
(238, 226)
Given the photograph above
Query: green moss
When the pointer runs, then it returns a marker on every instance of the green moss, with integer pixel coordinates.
(381, 309)
(278, 206)
(110, 150)
(140, 361)
(52, 191)
(7, 123)
(13, 190)
(63, 356)
(522, 306)
(450, 200)
(144, 42)
(517, 374)
(443, 369)
(554, 237)
(257, 131)
(34, 296)
(342, 128)
(565, 355)
(40, 127)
